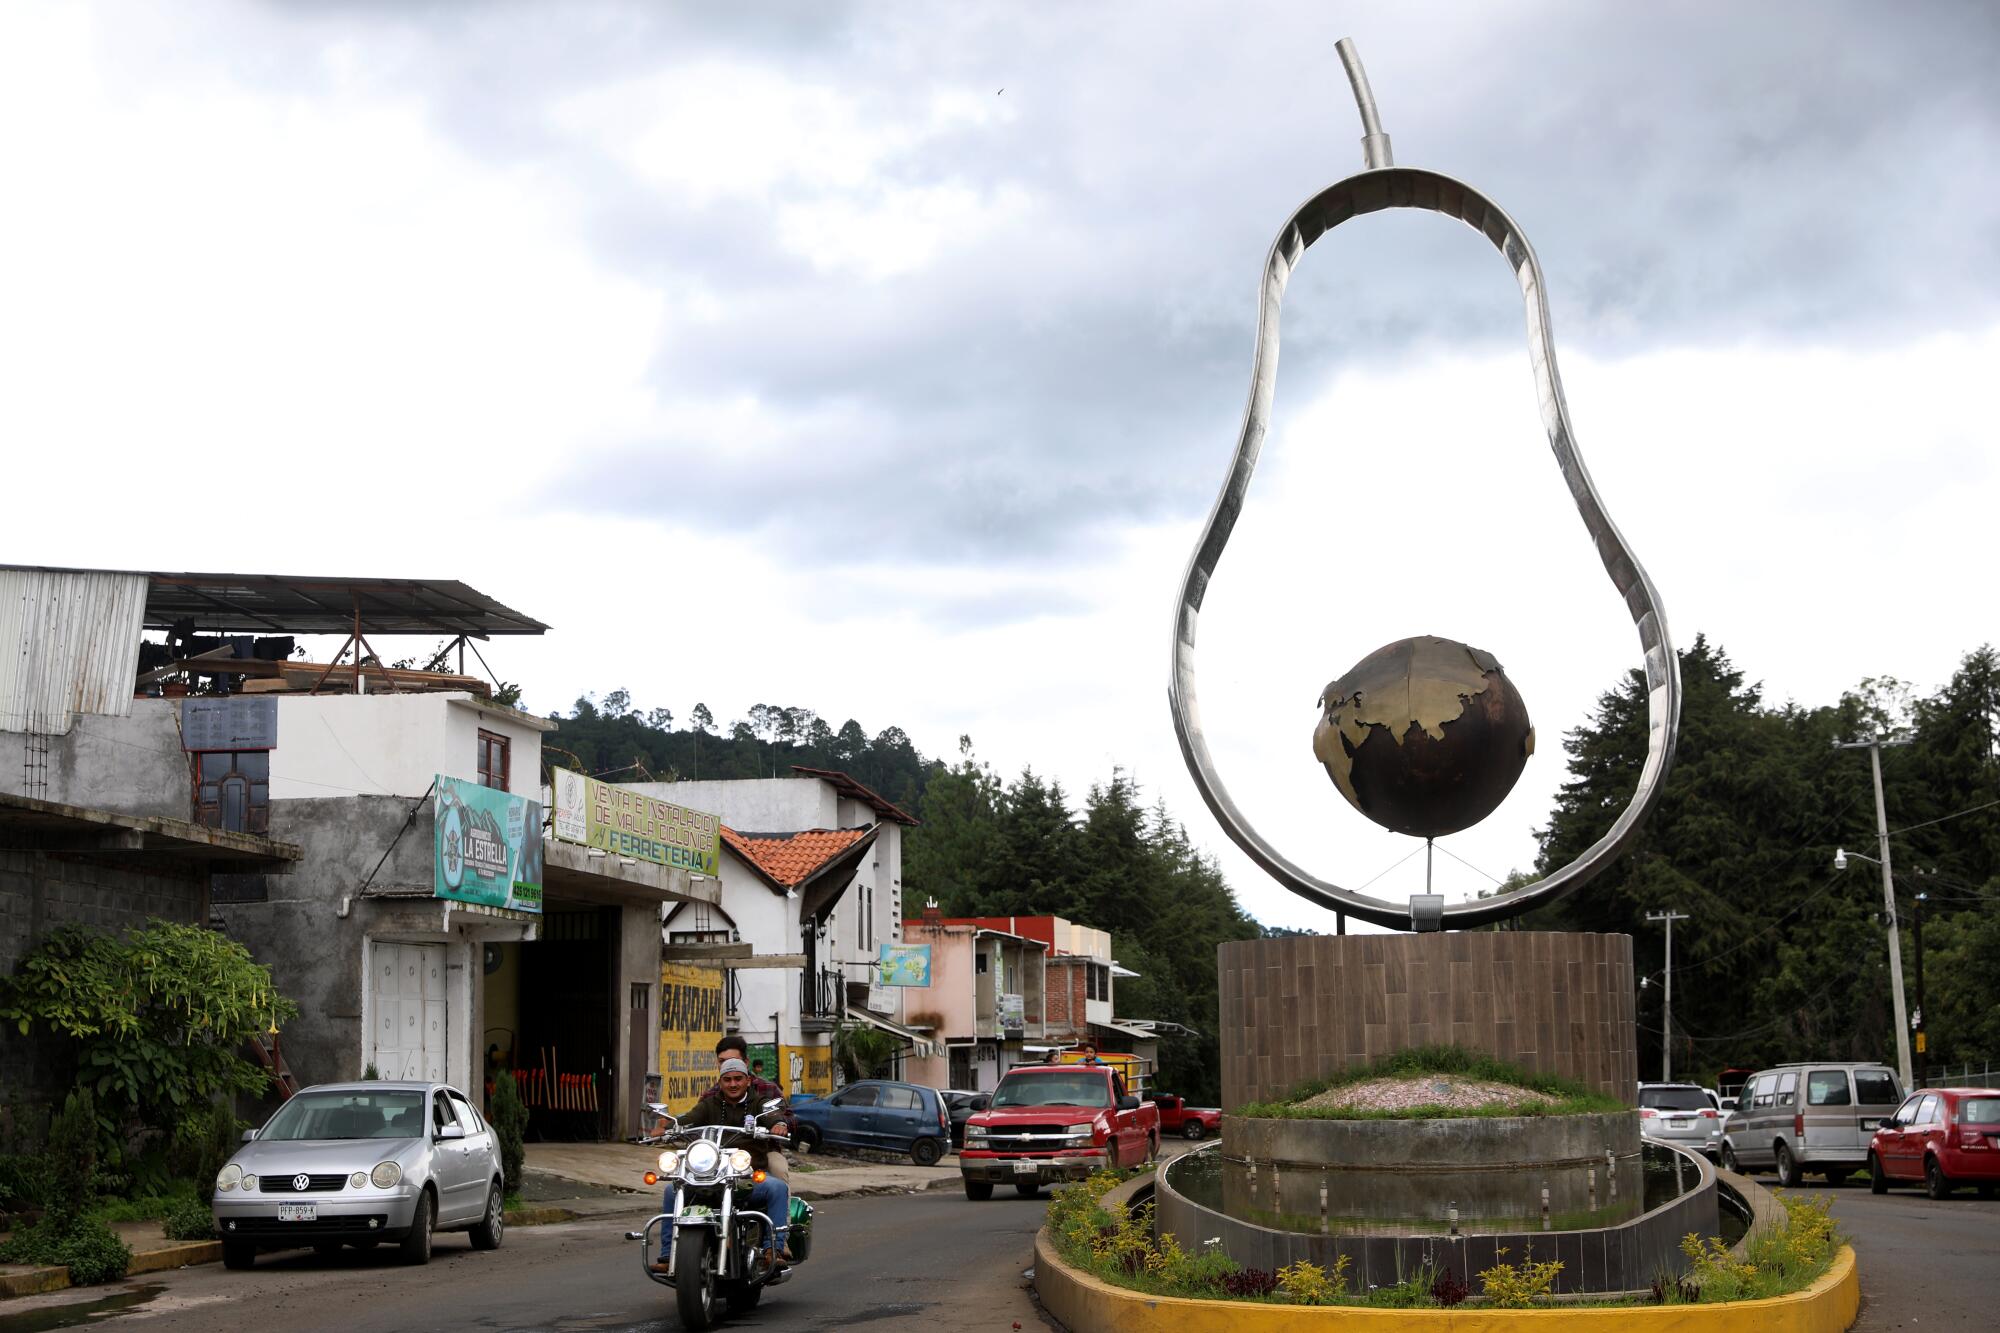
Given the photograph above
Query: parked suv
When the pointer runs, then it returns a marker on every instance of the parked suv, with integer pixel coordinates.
(1681, 1114)
(1809, 1117)
(1943, 1137)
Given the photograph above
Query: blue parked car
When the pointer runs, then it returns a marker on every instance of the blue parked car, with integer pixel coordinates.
(877, 1114)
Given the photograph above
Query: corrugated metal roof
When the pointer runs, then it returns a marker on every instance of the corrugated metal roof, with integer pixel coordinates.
(69, 644)
(301, 604)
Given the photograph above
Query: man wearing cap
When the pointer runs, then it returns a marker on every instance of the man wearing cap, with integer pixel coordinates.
(761, 1090)
(770, 1196)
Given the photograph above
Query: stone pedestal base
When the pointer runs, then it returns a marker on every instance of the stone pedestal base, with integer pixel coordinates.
(1304, 1007)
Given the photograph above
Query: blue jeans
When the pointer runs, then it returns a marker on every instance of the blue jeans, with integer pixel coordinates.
(771, 1197)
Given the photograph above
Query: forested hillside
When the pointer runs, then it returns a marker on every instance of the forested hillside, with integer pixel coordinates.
(609, 738)
(1785, 957)
(990, 848)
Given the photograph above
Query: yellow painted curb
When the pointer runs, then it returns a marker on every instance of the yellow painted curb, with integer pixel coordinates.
(1083, 1304)
(34, 1282)
(175, 1256)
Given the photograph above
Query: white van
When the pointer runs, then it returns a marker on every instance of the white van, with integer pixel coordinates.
(1816, 1116)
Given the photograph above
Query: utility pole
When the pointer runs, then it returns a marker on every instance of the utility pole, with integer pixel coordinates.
(1874, 746)
(1923, 1046)
(1667, 1008)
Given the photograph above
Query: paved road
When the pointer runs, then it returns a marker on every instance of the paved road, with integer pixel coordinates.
(923, 1261)
(1924, 1265)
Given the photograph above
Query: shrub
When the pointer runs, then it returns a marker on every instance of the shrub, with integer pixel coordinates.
(1516, 1288)
(26, 1181)
(188, 1218)
(1250, 1283)
(509, 1115)
(1447, 1290)
(72, 1154)
(1306, 1283)
(203, 1143)
(155, 1016)
(87, 1247)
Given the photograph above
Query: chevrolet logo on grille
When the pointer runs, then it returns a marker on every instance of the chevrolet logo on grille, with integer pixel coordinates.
(300, 1182)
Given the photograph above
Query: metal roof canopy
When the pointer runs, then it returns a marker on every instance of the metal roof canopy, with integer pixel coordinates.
(292, 604)
(300, 604)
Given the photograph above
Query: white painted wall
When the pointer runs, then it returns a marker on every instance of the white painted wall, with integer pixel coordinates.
(792, 805)
(394, 744)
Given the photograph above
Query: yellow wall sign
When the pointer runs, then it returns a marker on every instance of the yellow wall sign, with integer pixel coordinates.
(690, 1025)
(805, 1069)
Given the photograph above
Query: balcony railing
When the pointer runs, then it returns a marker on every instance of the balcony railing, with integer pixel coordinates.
(822, 999)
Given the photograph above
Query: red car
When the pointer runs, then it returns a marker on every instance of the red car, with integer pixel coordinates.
(1943, 1137)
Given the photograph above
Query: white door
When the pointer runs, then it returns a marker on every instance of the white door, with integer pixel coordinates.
(408, 997)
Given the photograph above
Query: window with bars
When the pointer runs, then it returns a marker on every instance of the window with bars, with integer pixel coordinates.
(493, 760)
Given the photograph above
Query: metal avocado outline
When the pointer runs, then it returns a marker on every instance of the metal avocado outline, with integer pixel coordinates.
(1382, 185)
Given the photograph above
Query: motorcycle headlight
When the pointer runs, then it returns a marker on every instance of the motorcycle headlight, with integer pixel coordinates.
(670, 1162)
(739, 1161)
(386, 1175)
(702, 1158)
(229, 1177)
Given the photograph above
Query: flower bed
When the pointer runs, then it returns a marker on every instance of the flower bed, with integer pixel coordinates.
(1117, 1244)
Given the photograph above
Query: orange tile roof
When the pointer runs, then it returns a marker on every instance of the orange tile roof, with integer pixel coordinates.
(792, 858)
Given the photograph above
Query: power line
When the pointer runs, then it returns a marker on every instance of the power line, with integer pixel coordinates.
(1907, 828)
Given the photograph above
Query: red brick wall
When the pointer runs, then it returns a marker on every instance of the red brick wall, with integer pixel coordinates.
(1067, 991)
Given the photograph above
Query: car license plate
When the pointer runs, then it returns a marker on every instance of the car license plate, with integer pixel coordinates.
(1027, 1169)
(298, 1212)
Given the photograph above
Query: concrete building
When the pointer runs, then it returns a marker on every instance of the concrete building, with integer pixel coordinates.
(985, 1002)
(395, 788)
(1065, 974)
(811, 877)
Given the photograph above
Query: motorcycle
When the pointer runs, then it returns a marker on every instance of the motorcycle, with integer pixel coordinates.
(718, 1251)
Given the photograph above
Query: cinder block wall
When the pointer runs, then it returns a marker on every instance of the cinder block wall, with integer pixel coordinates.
(1303, 1007)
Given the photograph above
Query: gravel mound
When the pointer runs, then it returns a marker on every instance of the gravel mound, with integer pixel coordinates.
(1404, 1094)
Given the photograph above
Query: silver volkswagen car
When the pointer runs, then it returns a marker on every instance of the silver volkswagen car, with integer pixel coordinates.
(360, 1164)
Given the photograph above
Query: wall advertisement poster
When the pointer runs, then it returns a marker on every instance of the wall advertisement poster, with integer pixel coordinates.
(690, 1025)
(622, 822)
(487, 846)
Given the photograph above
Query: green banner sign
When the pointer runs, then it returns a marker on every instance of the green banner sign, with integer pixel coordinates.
(488, 846)
(623, 822)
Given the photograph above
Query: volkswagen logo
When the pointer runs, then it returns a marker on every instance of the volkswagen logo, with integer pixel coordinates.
(301, 1181)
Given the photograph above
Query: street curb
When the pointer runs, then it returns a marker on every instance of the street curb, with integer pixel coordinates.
(808, 1193)
(41, 1281)
(540, 1217)
(175, 1256)
(34, 1282)
(1084, 1304)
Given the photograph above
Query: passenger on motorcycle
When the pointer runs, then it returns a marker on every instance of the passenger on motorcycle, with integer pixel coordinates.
(770, 1196)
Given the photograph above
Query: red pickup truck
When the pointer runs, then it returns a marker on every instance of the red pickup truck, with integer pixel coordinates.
(1190, 1122)
(1056, 1122)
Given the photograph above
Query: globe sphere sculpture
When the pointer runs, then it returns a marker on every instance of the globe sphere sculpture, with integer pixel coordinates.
(1424, 736)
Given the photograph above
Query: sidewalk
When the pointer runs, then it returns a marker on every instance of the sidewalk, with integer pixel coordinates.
(622, 1166)
(152, 1252)
(544, 1201)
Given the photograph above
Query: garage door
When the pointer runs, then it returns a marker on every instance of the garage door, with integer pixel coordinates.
(407, 997)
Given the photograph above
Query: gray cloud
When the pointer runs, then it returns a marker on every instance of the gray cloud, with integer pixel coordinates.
(1691, 174)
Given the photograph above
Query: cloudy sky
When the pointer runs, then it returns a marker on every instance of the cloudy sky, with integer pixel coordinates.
(884, 359)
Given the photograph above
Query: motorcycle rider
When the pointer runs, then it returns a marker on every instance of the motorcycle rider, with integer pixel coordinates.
(762, 1090)
(770, 1196)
